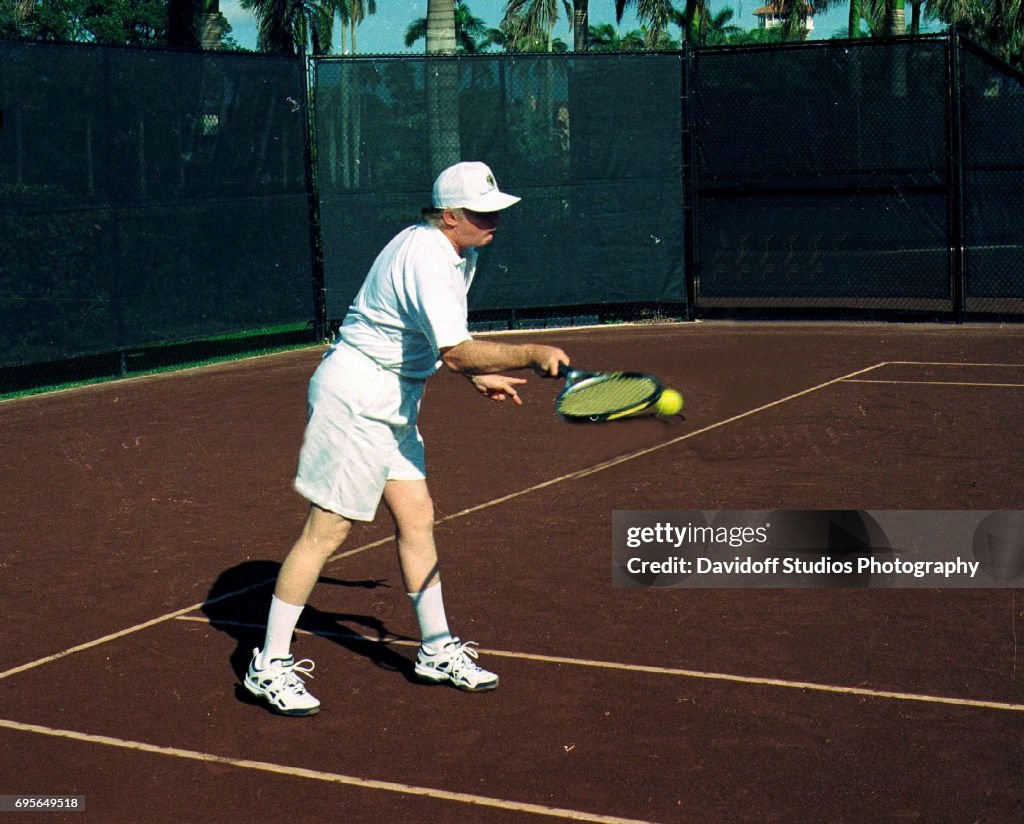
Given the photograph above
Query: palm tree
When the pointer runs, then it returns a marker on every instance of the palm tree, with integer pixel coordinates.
(896, 18)
(794, 24)
(887, 17)
(356, 11)
(998, 26)
(442, 82)
(440, 35)
(606, 37)
(700, 29)
(654, 14)
(293, 26)
(581, 25)
(533, 20)
(692, 20)
(876, 14)
(856, 12)
(503, 40)
(915, 17)
(471, 33)
(20, 12)
(719, 30)
(343, 11)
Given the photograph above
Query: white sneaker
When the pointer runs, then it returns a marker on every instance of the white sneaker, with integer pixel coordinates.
(455, 664)
(280, 686)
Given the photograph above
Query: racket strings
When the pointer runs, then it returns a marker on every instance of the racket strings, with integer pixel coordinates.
(609, 395)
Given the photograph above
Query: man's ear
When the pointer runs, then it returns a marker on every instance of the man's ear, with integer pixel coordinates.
(449, 218)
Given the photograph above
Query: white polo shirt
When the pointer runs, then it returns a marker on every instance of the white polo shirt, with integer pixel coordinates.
(413, 303)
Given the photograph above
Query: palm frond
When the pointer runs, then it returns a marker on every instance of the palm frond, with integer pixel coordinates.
(655, 15)
(528, 19)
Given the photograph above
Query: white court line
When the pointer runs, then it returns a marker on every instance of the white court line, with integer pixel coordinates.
(947, 383)
(122, 633)
(940, 383)
(591, 470)
(319, 775)
(810, 686)
(953, 363)
(571, 476)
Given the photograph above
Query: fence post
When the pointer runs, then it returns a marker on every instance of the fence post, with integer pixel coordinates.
(320, 321)
(689, 188)
(955, 177)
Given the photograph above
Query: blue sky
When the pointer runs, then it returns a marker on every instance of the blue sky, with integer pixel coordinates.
(384, 33)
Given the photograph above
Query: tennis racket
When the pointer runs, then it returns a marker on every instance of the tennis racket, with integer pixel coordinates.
(605, 396)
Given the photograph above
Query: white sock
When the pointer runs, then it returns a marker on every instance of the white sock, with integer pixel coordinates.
(429, 606)
(280, 625)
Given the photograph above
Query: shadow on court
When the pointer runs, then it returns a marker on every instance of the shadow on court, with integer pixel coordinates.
(237, 605)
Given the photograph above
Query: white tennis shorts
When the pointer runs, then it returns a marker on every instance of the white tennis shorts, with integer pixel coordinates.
(361, 433)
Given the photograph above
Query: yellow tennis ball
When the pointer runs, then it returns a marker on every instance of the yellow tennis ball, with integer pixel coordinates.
(670, 403)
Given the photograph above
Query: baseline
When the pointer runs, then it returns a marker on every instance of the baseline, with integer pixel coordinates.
(863, 692)
(319, 775)
(972, 384)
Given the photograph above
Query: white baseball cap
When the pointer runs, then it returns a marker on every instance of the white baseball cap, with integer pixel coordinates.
(470, 185)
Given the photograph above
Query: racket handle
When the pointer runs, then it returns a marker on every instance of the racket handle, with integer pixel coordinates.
(563, 371)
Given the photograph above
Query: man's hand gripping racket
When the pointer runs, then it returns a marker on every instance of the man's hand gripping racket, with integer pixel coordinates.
(607, 396)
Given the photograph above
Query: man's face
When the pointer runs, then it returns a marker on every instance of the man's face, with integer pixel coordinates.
(474, 229)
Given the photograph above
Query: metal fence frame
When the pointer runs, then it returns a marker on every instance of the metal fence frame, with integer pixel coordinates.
(692, 302)
(955, 307)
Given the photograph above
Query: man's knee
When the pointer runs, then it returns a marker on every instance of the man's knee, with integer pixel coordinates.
(325, 530)
(411, 506)
(424, 512)
(416, 519)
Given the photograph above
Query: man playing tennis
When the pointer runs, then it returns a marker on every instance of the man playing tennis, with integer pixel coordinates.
(362, 444)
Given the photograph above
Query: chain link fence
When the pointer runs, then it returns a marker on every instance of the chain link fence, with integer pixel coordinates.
(868, 177)
(148, 197)
(991, 107)
(152, 198)
(840, 179)
(822, 177)
(590, 143)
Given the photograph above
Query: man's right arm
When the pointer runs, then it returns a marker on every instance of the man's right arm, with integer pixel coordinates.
(484, 357)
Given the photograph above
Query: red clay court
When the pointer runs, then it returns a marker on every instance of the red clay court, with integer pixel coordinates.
(142, 522)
